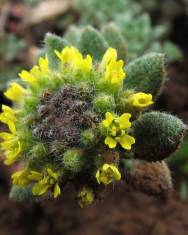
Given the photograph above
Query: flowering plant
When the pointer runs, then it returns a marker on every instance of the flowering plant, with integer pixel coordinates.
(75, 120)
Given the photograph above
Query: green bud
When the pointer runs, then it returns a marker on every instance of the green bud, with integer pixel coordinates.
(74, 160)
(104, 103)
(157, 135)
(39, 150)
(88, 138)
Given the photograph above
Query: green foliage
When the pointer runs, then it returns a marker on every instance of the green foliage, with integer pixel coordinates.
(146, 74)
(158, 135)
(132, 28)
(10, 46)
(167, 9)
(7, 74)
(73, 35)
(21, 194)
(115, 39)
(183, 192)
(99, 12)
(91, 42)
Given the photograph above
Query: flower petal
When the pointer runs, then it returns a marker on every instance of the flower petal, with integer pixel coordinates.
(40, 188)
(108, 119)
(123, 120)
(110, 142)
(126, 141)
(57, 190)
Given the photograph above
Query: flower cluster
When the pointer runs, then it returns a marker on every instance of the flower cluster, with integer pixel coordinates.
(116, 128)
(65, 121)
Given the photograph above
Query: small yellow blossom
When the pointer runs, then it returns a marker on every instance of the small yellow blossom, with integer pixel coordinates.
(140, 100)
(15, 92)
(11, 147)
(107, 173)
(20, 178)
(48, 181)
(116, 130)
(10, 144)
(8, 117)
(36, 73)
(71, 56)
(109, 56)
(113, 69)
(85, 196)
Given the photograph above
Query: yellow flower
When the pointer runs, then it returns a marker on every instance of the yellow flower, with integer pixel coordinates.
(107, 173)
(109, 56)
(48, 181)
(15, 92)
(71, 56)
(85, 196)
(20, 178)
(114, 70)
(36, 73)
(10, 144)
(8, 117)
(11, 147)
(140, 100)
(116, 130)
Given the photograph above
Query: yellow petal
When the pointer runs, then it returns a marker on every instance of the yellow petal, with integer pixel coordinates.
(43, 64)
(15, 92)
(108, 119)
(57, 190)
(6, 135)
(40, 188)
(12, 127)
(98, 176)
(126, 141)
(116, 173)
(28, 77)
(20, 178)
(109, 56)
(141, 100)
(35, 176)
(115, 72)
(110, 142)
(52, 174)
(85, 196)
(123, 121)
(72, 57)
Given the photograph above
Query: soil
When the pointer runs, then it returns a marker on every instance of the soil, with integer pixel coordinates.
(123, 212)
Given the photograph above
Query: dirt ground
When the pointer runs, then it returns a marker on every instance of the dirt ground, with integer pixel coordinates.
(123, 212)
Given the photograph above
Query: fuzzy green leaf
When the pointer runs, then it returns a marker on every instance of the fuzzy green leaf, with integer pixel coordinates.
(93, 43)
(146, 74)
(157, 135)
(115, 39)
